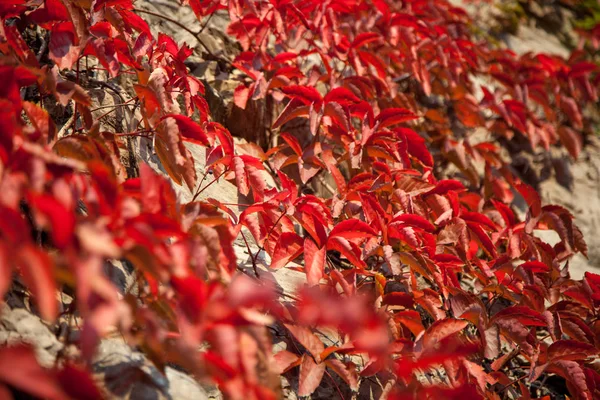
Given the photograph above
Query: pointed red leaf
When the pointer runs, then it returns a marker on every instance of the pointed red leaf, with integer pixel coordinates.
(440, 330)
(314, 261)
(307, 339)
(190, 129)
(348, 249)
(305, 94)
(37, 270)
(20, 369)
(352, 229)
(393, 116)
(288, 247)
(346, 372)
(310, 376)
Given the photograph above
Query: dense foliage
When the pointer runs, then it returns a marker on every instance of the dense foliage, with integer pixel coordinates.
(430, 287)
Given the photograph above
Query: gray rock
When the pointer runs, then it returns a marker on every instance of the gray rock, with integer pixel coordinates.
(128, 374)
(18, 325)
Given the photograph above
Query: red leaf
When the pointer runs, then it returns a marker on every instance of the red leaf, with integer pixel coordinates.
(295, 108)
(523, 314)
(571, 139)
(310, 376)
(364, 38)
(398, 299)
(482, 238)
(241, 176)
(445, 186)
(440, 330)
(478, 218)
(63, 48)
(288, 247)
(348, 249)
(288, 185)
(415, 221)
(352, 229)
(574, 374)
(37, 271)
(532, 198)
(341, 96)
(20, 369)
(284, 361)
(416, 146)
(241, 96)
(393, 116)
(61, 219)
(5, 270)
(307, 339)
(41, 120)
(292, 141)
(78, 383)
(375, 61)
(314, 261)
(346, 372)
(331, 162)
(306, 94)
(582, 68)
(192, 294)
(412, 320)
(570, 350)
(190, 129)
(535, 266)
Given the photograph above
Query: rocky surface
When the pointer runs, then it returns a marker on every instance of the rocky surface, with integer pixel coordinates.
(560, 179)
(127, 373)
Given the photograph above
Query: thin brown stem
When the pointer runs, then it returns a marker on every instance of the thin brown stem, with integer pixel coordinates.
(254, 267)
(205, 187)
(185, 28)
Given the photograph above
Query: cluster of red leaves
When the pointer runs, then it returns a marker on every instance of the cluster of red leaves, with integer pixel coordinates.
(412, 274)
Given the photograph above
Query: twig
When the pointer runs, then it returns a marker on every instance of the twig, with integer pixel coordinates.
(254, 267)
(205, 187)
(502, 389)
(326, 185)
(43, 48)
(205, 24)
(65, 127)
(185, 28)
(127, 103)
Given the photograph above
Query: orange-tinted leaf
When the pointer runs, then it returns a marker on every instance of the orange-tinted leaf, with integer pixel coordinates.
(346, 372)
(440, 330)
(307, 339)
(288, 247)
(571, 139)
(284, 361)
(352, 229)
(241, 176)
(37, 270)
(314, 261)
(41, 120)
(310, 376)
